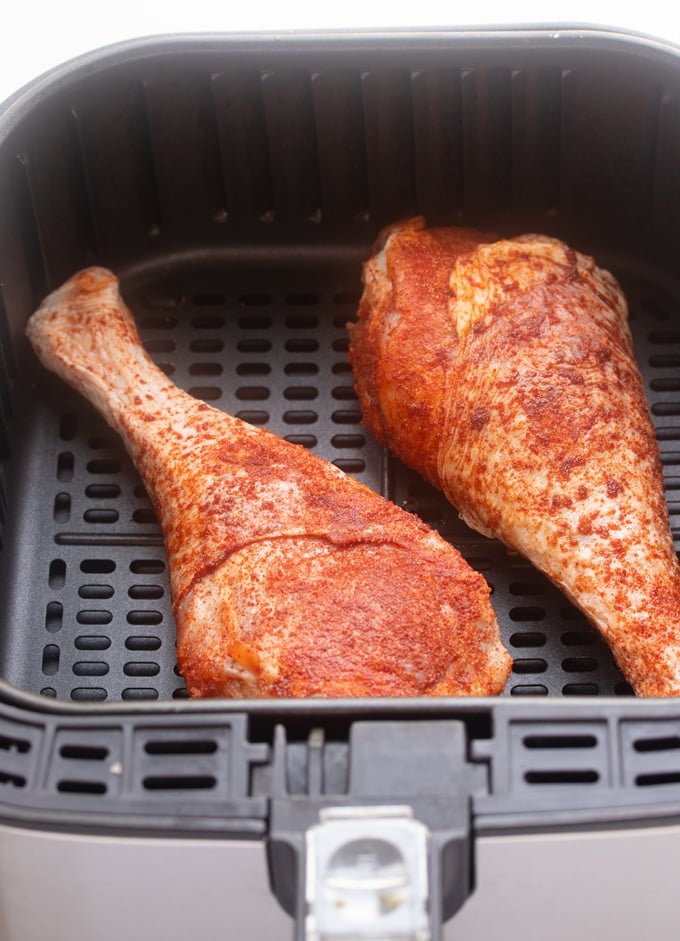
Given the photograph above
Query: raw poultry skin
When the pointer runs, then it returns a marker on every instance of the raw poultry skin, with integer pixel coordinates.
(503, 371)
(288, 577)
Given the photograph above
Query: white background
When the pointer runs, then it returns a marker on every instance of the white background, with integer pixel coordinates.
(39, 35)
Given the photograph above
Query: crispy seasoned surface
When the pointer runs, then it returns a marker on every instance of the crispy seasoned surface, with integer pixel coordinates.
(537, 429)
(404, 304)
(288, 577)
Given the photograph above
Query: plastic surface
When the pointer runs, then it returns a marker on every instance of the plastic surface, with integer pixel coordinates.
(235, 185)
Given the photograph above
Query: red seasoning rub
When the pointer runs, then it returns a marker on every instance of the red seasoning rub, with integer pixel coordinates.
(503, 371)
(288, 577)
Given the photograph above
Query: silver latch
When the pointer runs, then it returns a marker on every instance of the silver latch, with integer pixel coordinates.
(366, 876)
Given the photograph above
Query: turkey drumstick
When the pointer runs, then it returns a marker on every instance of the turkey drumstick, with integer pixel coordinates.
(503, 371)
(288, 577)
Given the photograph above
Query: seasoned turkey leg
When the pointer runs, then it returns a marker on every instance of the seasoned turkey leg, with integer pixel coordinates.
(288, 577)
(504, 372)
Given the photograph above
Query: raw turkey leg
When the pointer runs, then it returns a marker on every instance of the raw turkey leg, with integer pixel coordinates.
(504, 372)
(288, 577)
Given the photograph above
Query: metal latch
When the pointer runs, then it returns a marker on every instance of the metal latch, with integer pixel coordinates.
(369, 838)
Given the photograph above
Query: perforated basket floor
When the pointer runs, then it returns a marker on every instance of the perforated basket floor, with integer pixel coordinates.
(88, 579)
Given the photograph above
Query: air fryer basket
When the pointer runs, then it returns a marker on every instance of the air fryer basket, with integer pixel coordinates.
(236, 191)
(235, 185)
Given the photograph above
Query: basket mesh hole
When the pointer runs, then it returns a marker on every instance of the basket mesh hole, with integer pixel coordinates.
(141, 669)
(527, 613)
(580, 689)
(307, 441)
(350, 465)
(135, 692)
(665, 384)
(351, 442)
(559, 741)
(253, 369)
(146, 592)
(144, 617)
(88, 694)
(346, 417)
(102, 491)
(90, 668)
(207, 322)
(96, 592)
(663, 743)
(206, 369)
(206, 345)
(145, 642)
(15, 744)
(528, 639)
(660, 778)
(252, 393)
(147, 566)
(302, 345)
(529, 665)
(300, 393)
(94, 616)
(302, 322)
(181, 747)
(195, 782)
(94, 788)
(54, 615)
(65, 465)
(57, 574)
(664, 360)
(206, 393)
(301, 369)
(101, 516)
(254, 346)
(564, 776)
(145, 516)
(665, 409)
(579, 665)
(578, 638)
(50, 659)
(300, 417)
(253, 416)
(92, 642)
(62, 508)
(344, 393)
(254, 322)
(84, 752)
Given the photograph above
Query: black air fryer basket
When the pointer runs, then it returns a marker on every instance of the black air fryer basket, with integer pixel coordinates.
(235, 185)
